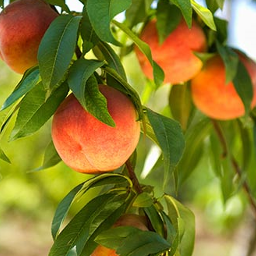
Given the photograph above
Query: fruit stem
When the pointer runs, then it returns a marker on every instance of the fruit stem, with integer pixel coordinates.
(133, 177)
(235, 165)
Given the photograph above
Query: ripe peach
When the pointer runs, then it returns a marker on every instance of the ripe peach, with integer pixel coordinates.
(175, 55)
(213, 96)
(125, 220)
(22, 26)
(86, 144)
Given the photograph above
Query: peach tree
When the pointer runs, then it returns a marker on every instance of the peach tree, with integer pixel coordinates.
(81, 50)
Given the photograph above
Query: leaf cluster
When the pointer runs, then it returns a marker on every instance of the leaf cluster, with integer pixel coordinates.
(83, 49)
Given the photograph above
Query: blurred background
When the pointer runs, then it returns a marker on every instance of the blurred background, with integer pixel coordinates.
(29, 199)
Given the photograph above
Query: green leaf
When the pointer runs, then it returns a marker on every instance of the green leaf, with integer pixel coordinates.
(137, 12)
(60, 3)
(96, 103)
(184, 220)
(157, 70)
(222, 158)
(85, 88)
(195, 137)
(97, 215)
(245, 135)
(51, 157)
(101, 14)
(112, 58)
(35, 109)
(168, 17)
(171, 234)
(171, 140)
(205, 14)
(214, 5)
(155, 218)
(222, 28)
(7, 118)
(65, 204)
(57, 49)
(4, 157)
(243, 85)
(230, 59)
(79, 73)
(28, 81)
(186, 9)
(180, 103)
(143, 200)
(122, 85)
(141, 243)
(90, 39)
(106, 179)
(62, 210)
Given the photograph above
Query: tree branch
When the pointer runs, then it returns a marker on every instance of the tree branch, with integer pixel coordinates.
(133, 177)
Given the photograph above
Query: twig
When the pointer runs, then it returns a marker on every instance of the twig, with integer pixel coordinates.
(235, 165)
(133, 177)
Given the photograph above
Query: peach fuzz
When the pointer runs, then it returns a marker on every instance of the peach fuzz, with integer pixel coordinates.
(22, 26)
(86, 144)
(213, 96)
(125, 220)
(176, 54)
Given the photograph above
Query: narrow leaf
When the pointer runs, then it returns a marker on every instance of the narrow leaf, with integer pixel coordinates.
(205, 14)
(137, 12)
(122, 85)
(181, 104)
(62, 210)
(170, 137)
(214, 5)
(90, 39)
(168, 17)
(101, 14)
(28, 81)
(157, 70)
(79, 73)
(57, 48)
(195, 137)
(35, 109)
(143, 200)
(60, 3)
(141, 243)
(230, 60)
(243, 85)
(96, 103)
(85, 88)
(186, 9)
(185, 222)
(112, 58)
(51, 157)
(155, 219)
(4, 157)
(83, 228)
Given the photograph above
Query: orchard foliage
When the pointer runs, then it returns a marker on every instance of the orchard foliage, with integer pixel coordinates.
(83, 49)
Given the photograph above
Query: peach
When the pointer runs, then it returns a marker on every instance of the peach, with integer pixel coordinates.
(22, 26)
(125, 220)
(86, 144)
(176, 54)
(213, 96)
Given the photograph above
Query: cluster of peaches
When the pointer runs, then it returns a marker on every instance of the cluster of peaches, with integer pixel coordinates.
(82, 141)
